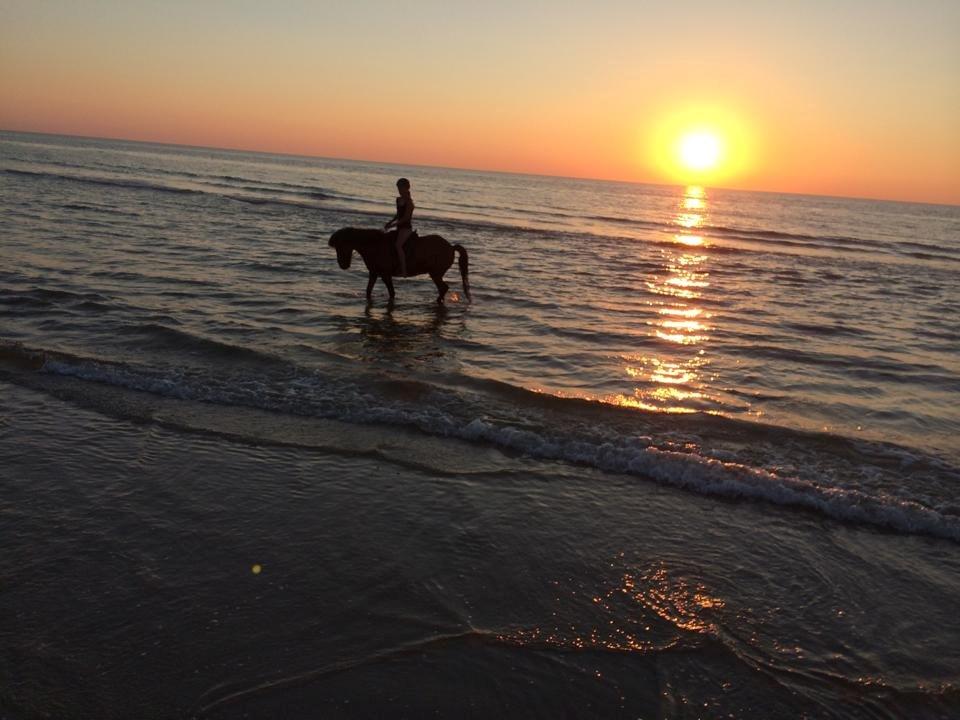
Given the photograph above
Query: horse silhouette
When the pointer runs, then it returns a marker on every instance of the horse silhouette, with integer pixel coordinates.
(429, 254)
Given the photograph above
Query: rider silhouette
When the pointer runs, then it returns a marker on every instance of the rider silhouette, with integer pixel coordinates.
(403, 220)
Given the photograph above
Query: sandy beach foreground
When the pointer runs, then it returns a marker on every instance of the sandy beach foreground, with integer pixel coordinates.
(159, 572)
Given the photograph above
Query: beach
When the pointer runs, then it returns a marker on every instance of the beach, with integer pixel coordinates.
(688, 453)
(410, 580)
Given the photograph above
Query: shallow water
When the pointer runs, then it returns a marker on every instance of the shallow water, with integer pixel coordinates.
(701, 442)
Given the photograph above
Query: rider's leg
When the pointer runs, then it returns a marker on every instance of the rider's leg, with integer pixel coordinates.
(402, 235)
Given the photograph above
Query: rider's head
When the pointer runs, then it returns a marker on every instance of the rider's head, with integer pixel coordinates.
(403, 184)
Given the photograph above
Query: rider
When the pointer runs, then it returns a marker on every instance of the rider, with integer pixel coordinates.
(403, 220)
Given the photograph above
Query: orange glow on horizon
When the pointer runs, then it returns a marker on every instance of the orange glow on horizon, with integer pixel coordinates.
(594, 97)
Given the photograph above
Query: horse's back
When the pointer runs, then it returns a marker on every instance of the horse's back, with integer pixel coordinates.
(438, 239)
(435, 251)
(436, 243)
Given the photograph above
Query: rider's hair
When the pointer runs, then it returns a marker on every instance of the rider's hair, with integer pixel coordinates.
(403, 183)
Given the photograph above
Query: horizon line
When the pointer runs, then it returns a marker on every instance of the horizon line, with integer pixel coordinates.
(468, 169)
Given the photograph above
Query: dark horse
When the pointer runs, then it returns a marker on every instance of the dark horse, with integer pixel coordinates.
(429, 254)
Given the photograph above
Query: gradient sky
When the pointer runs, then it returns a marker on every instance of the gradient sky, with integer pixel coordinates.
(856, 98)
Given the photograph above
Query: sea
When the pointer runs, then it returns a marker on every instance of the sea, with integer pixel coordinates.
(685, 452)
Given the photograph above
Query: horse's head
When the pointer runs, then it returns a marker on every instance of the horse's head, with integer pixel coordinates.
(344, 247)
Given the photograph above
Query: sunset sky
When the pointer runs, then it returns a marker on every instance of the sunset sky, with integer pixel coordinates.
(856, 98)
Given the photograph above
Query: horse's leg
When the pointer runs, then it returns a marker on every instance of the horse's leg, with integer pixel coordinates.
(388, 281)
(442, 287)
(371, 281)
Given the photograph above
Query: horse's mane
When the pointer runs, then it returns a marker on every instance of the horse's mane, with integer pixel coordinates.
(363, 236)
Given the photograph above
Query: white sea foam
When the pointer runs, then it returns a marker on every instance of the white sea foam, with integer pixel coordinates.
(710, 476)
(314, 395)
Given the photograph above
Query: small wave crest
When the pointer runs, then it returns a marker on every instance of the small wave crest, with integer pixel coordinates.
(105, 180)
(39, 297)
(160, 335)
(283, 194)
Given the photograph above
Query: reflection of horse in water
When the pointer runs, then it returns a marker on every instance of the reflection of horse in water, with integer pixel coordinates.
(430, 254)
(414, 340)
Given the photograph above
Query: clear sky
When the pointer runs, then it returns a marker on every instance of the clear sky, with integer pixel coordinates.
(849, 97)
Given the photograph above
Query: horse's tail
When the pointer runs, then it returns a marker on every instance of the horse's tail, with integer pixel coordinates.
(464, 263)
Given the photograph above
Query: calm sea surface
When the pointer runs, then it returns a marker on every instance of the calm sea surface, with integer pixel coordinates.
(735, 417)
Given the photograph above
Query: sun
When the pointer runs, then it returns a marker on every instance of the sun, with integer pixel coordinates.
(702, 143)
(699, 150)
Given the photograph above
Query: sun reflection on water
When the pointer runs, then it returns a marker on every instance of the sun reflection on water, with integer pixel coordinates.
(670, 381)
(691, 240)
(640, 612)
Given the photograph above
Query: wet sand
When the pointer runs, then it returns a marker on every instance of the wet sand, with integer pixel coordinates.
(156, 572)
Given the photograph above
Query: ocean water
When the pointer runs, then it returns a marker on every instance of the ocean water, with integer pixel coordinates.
(687, 453)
